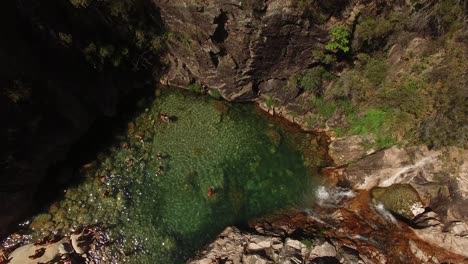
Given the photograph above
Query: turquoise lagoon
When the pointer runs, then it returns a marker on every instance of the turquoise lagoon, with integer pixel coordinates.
(165, 189)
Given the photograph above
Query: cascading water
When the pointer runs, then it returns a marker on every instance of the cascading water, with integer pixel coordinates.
(332, 197)
(385, 213)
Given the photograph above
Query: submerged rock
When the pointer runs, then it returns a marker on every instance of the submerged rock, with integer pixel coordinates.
(274, 136)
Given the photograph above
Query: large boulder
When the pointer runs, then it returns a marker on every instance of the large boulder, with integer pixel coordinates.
(400, 199)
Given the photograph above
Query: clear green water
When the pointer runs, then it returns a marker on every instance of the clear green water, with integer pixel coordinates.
(158, 209)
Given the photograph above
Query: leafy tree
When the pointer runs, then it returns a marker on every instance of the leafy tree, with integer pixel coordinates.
(339, 39)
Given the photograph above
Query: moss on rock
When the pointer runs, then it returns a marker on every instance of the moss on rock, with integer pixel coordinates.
(400, 199)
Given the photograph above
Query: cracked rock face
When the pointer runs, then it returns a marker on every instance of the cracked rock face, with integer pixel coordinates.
(236, 47)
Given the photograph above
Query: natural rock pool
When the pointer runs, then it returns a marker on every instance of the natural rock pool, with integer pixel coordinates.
(166, 187)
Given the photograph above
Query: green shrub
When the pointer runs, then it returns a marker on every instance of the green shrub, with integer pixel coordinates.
(65, 39)
(371, 30)
(447, 15)
(362, 58)
(312, 79)
(345, 106)
(408, 98)
(106, 51)
(195, 87)
(323, 57)
(17, 92)
(376, 122)
(157, 44)
(384, 142)
(215, 93)
(317, 102)
(376, 71)
(339, 39)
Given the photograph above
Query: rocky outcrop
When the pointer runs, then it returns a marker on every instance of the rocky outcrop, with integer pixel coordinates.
(242, 48)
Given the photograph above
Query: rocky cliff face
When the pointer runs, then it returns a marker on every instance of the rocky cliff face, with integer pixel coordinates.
(242, 48)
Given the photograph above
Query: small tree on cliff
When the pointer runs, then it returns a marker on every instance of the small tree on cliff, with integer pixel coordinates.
(339, 39)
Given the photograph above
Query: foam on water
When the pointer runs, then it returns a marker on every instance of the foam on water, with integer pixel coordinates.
(385, 213)
(332, 197)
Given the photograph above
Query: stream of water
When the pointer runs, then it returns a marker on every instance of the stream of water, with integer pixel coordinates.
(185, 168)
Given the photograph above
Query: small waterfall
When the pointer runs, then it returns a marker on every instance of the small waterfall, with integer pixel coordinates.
(385, 213)
(333, 197)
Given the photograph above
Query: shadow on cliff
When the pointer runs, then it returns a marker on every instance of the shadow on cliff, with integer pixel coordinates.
(56, 112)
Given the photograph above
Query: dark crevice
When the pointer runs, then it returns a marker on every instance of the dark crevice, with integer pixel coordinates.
(255, 89)
(220, 34)
(214, 58)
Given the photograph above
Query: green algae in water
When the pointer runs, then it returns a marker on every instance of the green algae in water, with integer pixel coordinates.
(155, 193)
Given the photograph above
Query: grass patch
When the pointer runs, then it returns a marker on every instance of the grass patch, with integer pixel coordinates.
(327, 110)
(371, 122)
(375, 121)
